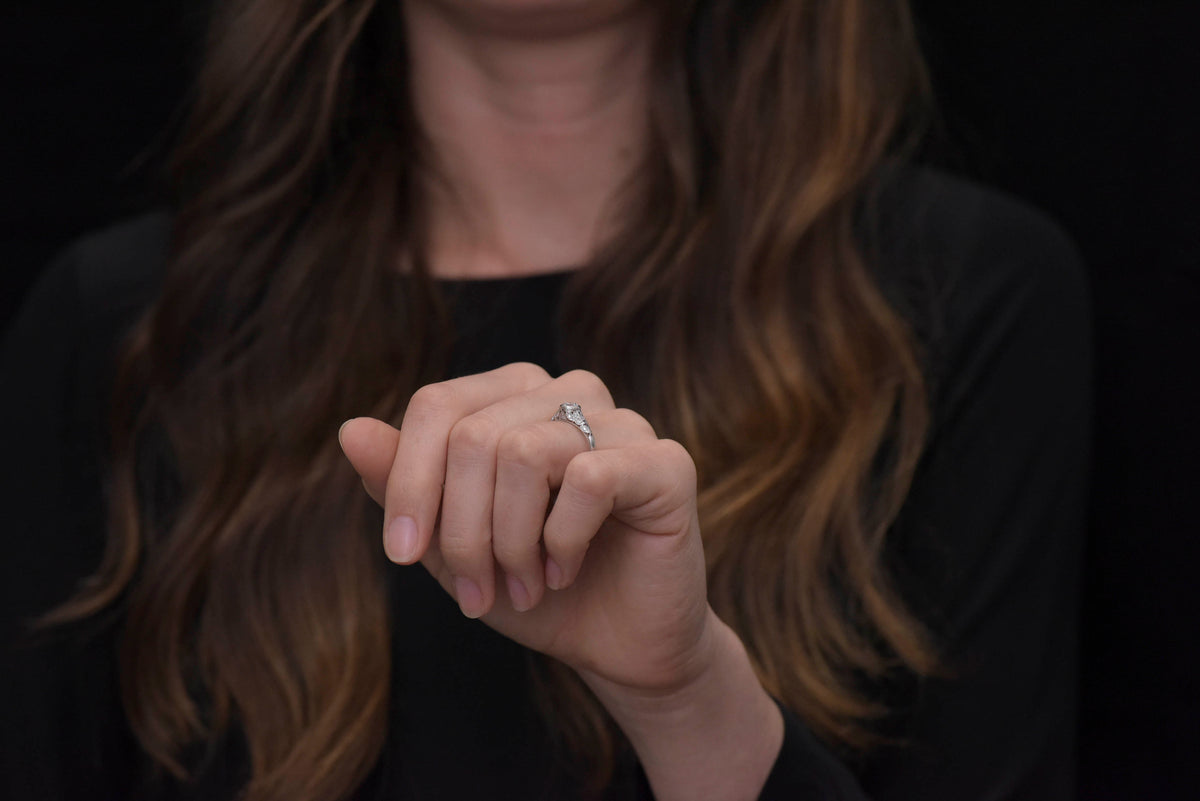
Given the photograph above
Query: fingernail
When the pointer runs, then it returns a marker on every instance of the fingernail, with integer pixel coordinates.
(554, 575)
(342, 428)
(400, 541)
(520, 597)
(470, 597)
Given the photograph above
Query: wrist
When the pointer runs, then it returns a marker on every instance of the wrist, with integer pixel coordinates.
(715, 735)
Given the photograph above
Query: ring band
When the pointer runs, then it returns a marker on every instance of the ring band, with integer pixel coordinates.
(571, 413)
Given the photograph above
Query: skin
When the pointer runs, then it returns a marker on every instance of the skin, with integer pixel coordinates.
(536, 110)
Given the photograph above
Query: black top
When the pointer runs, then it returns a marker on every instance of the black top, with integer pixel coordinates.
(986, 549)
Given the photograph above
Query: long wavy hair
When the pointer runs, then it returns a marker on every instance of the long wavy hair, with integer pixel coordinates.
(734, 307)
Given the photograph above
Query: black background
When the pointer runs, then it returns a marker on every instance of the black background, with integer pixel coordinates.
(1090, 110)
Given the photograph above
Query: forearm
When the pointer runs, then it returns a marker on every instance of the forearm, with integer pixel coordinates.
(716, 738)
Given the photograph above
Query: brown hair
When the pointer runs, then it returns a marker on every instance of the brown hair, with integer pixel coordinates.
(257, 596)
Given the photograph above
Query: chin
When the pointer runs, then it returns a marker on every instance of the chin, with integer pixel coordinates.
(535, 16)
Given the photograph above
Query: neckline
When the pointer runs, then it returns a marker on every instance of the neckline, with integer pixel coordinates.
(556, 275)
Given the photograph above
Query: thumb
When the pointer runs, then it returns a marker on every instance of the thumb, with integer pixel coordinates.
(370, 445)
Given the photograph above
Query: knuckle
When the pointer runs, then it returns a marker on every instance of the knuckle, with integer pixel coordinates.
(431, 400)
(589, 476)
(459, 553)
(589, 383)
(634, 422)
(678, 461)
(511, 552)
(474, 433)
(529, 373)
(525, 446)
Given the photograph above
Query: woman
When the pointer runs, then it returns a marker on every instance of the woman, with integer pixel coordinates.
(810, 532)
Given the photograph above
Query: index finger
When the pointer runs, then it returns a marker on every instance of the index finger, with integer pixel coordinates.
(414, 487)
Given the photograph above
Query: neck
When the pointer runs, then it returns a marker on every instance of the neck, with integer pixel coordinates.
(535, 125)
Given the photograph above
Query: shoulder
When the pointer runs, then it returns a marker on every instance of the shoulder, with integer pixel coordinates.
(61, 345)
(967, 238)
(118, 267)
(975, 269)
(925, 212)
(107, 273)
(88, 296)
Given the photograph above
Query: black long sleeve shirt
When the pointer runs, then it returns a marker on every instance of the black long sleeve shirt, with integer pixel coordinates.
(986, 549)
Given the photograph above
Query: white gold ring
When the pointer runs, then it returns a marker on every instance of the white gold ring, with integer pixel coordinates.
(571, 413)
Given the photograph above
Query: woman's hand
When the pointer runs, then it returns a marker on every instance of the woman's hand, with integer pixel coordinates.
(607, 577)
(593, 557)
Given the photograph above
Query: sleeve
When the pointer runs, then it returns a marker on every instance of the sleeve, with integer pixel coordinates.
(989, 545)
(805, 769)
(60, 735)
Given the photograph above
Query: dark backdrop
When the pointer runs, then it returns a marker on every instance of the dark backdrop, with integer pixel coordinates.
(1088, 109)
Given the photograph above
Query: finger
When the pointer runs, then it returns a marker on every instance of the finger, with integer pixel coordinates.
(465, 533)
(648, 487)
(466, 529)
(530, 461)
(525, 460)
(414, 486)
(370, 446)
